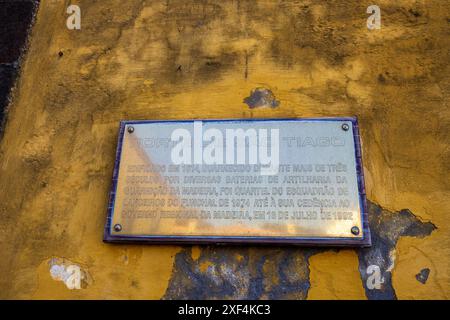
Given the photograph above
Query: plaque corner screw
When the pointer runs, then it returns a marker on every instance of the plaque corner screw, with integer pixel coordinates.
(130, 129)
(117, 227)
(345, 127)
(355, 230)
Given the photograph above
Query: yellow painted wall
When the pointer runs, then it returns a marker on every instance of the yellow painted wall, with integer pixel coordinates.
(199, 59)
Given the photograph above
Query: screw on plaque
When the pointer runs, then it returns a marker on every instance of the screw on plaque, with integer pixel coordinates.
(345, 127)
(117, 228)
(355, 230)
(130, 129)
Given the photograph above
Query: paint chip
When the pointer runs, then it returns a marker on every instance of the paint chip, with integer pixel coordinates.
(422, 276)
(73, 275)
(261, 97)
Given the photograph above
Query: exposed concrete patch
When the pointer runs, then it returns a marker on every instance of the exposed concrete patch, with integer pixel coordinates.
(241, 273)
(386, 227)
(261, 97)
(283, 273)
(71, 274)
(422, 276)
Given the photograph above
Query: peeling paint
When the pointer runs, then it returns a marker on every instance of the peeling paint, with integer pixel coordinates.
(422, 276)
(283, 273)
(71, 274)
(387, 227)
(261, 97)
(241, 273)
(392, 259)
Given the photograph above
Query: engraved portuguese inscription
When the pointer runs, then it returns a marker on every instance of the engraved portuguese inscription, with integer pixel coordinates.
(298, 192)
(238, 179)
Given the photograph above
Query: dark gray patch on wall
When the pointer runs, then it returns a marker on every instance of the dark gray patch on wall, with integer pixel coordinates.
(249, 272)
(422, 276)
(261, 97)
(241, 273)
(16, 18)
(386, 228)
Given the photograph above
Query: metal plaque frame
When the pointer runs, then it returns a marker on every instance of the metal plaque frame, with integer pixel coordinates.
(363, 241)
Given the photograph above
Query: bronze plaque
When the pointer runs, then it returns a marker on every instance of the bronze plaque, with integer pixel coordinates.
(292, 181)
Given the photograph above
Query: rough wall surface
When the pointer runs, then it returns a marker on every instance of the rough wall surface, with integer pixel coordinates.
(202, 59)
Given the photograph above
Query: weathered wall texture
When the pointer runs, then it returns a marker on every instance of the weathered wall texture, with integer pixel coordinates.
(201, 59)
